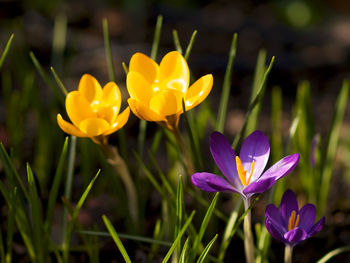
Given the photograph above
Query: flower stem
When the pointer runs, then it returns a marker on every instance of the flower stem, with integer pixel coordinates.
(288, 253)
(248, 235)
(122, 169)
(187, 155)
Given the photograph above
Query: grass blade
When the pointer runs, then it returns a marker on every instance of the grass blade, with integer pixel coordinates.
(108, 50)
(156, 39)
(226, 87)
(258, 77)
(71, 224)
(204, 224)
(59, 82)
(332, 144)
(333, 253)
(178, 238)
(206, 250)
(177, 41)
(6, 50)
(55, 186)
(116, 239)
(184, 251)
(190, 45)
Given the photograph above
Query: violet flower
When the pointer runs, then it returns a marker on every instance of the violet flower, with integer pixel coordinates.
(290, 225)
(243, 174)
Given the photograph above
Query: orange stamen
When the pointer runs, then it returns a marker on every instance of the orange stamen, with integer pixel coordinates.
(251, 172)
(241, 172)
(293, 222)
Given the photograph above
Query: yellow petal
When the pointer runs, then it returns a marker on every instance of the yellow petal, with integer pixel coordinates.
(90, 88)
(108, 113)
(94, 126)
(198, 91)
(111, 95)
(145, 66)
(119, 122)
(143, 112)
(166, 102)
(78, 108)
(69, 128)
(138, 88)
(174, 66)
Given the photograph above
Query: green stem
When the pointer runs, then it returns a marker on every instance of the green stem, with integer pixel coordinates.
(122, 169)
(185, 151)
(248, 235)
(288, 253)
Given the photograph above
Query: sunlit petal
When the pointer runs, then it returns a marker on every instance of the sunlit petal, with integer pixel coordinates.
(138, 88)
(94, 126)
(90, 88)
(119, 122)
(144, 112)
(111, 96)
(78, 108)
(174, 66)
(166, 102)
(198, 91)
(69, 128)
(145, 66)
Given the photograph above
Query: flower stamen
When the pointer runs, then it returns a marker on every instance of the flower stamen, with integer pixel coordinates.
(243, 173)
(293, 221)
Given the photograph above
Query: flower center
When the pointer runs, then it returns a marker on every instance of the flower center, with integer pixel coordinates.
(293, 221)
(243, 173)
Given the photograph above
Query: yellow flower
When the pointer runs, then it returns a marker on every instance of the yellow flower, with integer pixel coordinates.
(93, 111)
(156, 91)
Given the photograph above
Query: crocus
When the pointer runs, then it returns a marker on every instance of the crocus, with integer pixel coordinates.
(157, 91)
(290, 225)
(94, 111)
(243, 173)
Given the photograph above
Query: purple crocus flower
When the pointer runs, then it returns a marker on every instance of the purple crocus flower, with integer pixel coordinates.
(289, 224)
(243, 173)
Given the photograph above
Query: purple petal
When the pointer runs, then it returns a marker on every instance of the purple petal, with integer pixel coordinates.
(317, 227)
(307, 216)
(289, 204)
(259, 186)
(275, 172)
(255, 147)
(225, 158)
(211, 183)
(295, 236)
(274, 232)
(273, 214)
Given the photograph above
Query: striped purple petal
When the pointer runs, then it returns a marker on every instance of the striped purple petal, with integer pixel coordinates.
(307, 216)
(211, 183)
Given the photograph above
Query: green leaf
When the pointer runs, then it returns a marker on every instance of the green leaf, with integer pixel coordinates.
(177, 41)
(190, 45)
(6, 50)
(226, 87)
(178, 238)
(333, 253)
(206, 250)
(71, 224)
(55, 186)
(59, 82)
(108, 50)
(332, 144)
(183, 258)
(258, 78)
(204, 224)
(116, 239)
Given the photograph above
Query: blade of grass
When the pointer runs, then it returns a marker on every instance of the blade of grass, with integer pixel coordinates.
(55, 186)
(179, 215)
(226, 87)
(116, 239)
(258, 76)
(68, 188)
(59, 41)
(10, 232)
(332, 144)
(178, 238)
(11, 172)
(37, 222)
(229, 233)
(256, 101)
(45, 77)
(177, 41)
(59, 82)
(184, 251)
(6, 50)
(204, 226)
(66, 244)
(333, 253)
(190, 45)
(206, 250)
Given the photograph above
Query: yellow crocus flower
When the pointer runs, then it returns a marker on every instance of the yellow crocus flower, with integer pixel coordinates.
(93, 111)
(156, 91)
